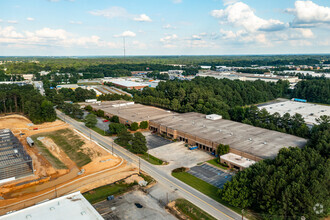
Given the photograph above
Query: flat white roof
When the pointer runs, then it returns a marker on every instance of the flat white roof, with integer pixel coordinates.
(309, 111)
(73, 206)
(237, 160)
(129, 83)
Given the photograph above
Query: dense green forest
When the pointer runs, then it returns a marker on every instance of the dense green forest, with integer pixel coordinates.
(289, 186)
(29, 64)
(65, 94)
(26, 100)
(315, 90)
(209, 95)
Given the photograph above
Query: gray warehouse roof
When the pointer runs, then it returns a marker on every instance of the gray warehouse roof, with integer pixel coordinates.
(260, 142)
(131, 112)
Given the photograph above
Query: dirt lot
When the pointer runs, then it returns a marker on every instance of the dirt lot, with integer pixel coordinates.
(104, 168)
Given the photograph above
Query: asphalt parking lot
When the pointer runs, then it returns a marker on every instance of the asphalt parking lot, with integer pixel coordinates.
(134, 205)
(100, 124)
(154, 141)
(211, 175)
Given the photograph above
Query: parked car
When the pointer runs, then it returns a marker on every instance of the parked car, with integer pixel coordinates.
(106, 120)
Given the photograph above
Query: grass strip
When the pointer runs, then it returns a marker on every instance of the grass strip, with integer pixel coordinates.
(191, 210)
(101, 193)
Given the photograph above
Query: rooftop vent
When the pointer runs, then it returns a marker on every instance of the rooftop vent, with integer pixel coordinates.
(213, 117)
(265, 142)
(250, 139)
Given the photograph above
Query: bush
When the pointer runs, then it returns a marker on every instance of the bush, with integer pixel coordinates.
(179, 170)
(89, 108)
(134, 126)
(115, 119)
(116, 128)
(144, 125)
(100, 113)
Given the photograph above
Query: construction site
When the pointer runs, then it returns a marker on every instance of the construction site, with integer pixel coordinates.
(42, 162)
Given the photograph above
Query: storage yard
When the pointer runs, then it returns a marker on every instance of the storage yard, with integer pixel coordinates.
(309, 111)
(63, 160)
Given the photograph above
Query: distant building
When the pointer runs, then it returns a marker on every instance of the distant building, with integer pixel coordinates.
(130, 84)
(73, 206)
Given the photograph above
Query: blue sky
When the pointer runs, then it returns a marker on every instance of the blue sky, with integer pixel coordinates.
(163, 27)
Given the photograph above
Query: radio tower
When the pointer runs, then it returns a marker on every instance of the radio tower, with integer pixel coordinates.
(124, 50)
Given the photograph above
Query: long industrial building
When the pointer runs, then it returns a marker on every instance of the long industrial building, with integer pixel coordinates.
(207, 132)
(14, 161)
(129, 112)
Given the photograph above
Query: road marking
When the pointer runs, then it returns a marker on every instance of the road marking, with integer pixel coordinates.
(136, 160)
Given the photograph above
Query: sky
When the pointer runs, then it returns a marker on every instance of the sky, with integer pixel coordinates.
(163, 27)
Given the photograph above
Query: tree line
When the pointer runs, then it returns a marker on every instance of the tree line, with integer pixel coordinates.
(315, 90)
(209, 95)
(293, 184)
(26, 100)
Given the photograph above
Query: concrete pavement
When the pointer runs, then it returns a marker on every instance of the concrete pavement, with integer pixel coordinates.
(197, 198)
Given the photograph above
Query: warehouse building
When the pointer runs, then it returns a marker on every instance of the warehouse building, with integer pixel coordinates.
(130, 84)
(309, 111)
(207, 132)
(14, 161)
(73, 206)
(129, 112)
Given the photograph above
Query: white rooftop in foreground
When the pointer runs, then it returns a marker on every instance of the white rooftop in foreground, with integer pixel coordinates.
(238, 160)
(73, 206)
(309, 111)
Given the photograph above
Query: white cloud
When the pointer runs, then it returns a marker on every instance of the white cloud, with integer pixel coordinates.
(75, 22)
(1, 20)
(10, 32)
(142, 18)
(196, 37)
(229, 2)
(241, 15)
(12, 21)
(169, 38)
(126, 34)
(113, 12)
(306, 33)
(177, 1)
(49, 37)
(309, 14)
(168, 26)
(30, 19)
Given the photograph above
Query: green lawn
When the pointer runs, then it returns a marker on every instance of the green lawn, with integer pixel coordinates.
(101, 193)
(204, 187)
(54, 161)
(191, 210)
(151, 159)
(215, 163)
(71, 144)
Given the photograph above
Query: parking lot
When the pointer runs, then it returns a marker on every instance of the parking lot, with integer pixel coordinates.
(134, 205)
(100, 124)
(211, 175)
(177, 155)
(154, 141)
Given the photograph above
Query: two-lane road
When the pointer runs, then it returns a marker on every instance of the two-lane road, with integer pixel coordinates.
(199, 199)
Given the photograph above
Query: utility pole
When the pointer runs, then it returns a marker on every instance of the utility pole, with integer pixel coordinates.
(90, 135)
(139, 165)
(55, 192)
(112, 147)
(242, 214)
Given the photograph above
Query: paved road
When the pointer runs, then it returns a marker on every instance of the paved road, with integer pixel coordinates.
(199, 199)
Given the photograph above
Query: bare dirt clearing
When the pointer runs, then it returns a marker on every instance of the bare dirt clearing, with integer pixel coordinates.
(86, 164)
